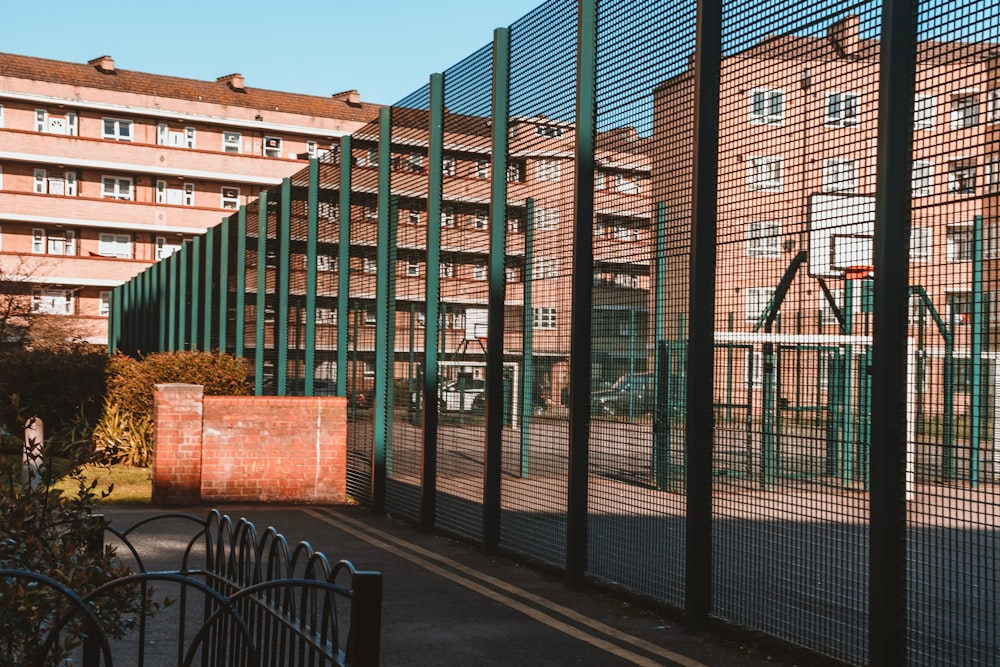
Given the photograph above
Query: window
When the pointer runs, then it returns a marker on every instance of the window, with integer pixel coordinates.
(230, 198)
(840, 175)
(923, 112)
(312, 149)
(511, 274)
(326, 263)
(414, 216)
(767, 106)
(964, 110)
(114, 187)
(515, 172)
(546, 218)
(765, 172)
(53, 241)
(412, 267)
(447, 270)
(326, 315)
(515, 225)
(115, 128)
(992, 110)
(189, 194)
(448, 165)
(482, 169)
(371, 317)
(548, 131)
(164, 249)
(414, 163)
(991, 173)
(962, 176)
(63, 185)
(548, 170)
(920, 244)
(272, 147)
(328, 210)
(481, 220)
(922, 181)
(841, 109)
(1, 177)
(959, 307)
(625, 280)
(1, 115)
(232, 142)
(115, 245)
(368, 157)
(52, 301)
(543, 318)
(371, 211)
(104, 303)
(479, 272)
(628, 183)
(369, 265)
(165, 136)
(447, 216)
(959, 243)
(41, 120)
(756, 301)
(763, 238)
(39, 183)
(544, 267)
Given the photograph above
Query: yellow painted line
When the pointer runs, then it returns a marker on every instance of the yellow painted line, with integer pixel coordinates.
(449, 567)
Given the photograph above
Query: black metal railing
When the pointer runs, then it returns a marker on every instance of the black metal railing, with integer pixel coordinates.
(224, 595)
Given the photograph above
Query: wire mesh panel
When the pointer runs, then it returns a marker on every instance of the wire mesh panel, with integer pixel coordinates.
(798, 120)
(952, 546)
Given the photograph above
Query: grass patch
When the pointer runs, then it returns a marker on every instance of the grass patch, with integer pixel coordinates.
(132, 485)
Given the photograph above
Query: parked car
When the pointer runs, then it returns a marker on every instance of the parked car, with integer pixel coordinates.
(631, 394)
(460, 395)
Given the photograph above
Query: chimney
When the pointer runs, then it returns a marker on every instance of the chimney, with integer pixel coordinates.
(103, 64)
(845, 35)
(234, 81)
(352, 97)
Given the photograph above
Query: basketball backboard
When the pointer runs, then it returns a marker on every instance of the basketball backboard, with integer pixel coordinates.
(841, 233)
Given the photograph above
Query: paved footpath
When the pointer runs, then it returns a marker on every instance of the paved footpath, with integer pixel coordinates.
(445, 603)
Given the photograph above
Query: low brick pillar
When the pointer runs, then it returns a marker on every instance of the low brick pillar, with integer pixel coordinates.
(177, 443)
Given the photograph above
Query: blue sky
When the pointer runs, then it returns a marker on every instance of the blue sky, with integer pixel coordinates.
(383, 48)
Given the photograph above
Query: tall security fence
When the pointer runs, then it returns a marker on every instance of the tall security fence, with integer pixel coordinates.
(696, 298)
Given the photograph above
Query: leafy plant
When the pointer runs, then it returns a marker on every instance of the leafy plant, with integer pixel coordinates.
(125, 437)
(49, 531)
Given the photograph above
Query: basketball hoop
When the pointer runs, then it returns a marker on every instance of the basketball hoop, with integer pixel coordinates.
(859, 272)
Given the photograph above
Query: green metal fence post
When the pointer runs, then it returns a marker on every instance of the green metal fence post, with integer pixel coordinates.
(259, 343)
(208, 287)
(239, 319)
(222, 305)
(173, 300)
(527, 367)
(699, 427)
(435, 178)
(887, 576)
(196, 269)
(312, 240)
(162, 276)
(384, 318)
(282, 287)
(343, 264)
(581, 303)
(183, 298)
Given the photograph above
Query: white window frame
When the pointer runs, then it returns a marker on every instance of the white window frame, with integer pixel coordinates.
(232, 142)
(40, 183)
(38, 241)
(447, 270)
(763, 238)
(115, 245)
(164, 249)
(515, 171)
(229, 197)
(447, 216)
(188, 194)
(765, 173)
(548, 131)
(117, 129)
(116, 191)
(755, 300)
(479, 272)
(544, 267)
(841, 108)
(922, 180)
(60, 242)
(104, 303)
(412, 268)
(448, 165)
(52, 301)
(1, 115)
(414, 216)
(271, 146)
(548, 170)
(840, 175)
(920, 244)
(959, 243)
(312, 148)
(923, 112)
(160, 193)
(964, 109)
(544, 318)
(326, 263)
(962, 176)
(369, 265)
(546, 219)
(763, 110)
(481, 220)
(991, 174)
(482, 169)
(41, 120)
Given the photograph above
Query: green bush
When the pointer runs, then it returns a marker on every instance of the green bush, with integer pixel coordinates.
(60, 384)
(48, 531)
(125, 430)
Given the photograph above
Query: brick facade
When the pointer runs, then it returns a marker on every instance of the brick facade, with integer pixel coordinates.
(247, 448)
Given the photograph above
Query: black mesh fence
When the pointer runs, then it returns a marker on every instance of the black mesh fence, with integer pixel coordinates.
(429, 268)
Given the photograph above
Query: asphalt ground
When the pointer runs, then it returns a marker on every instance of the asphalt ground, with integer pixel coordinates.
(446, 603)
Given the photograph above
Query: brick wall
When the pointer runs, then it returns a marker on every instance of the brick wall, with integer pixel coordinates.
(247, 448)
